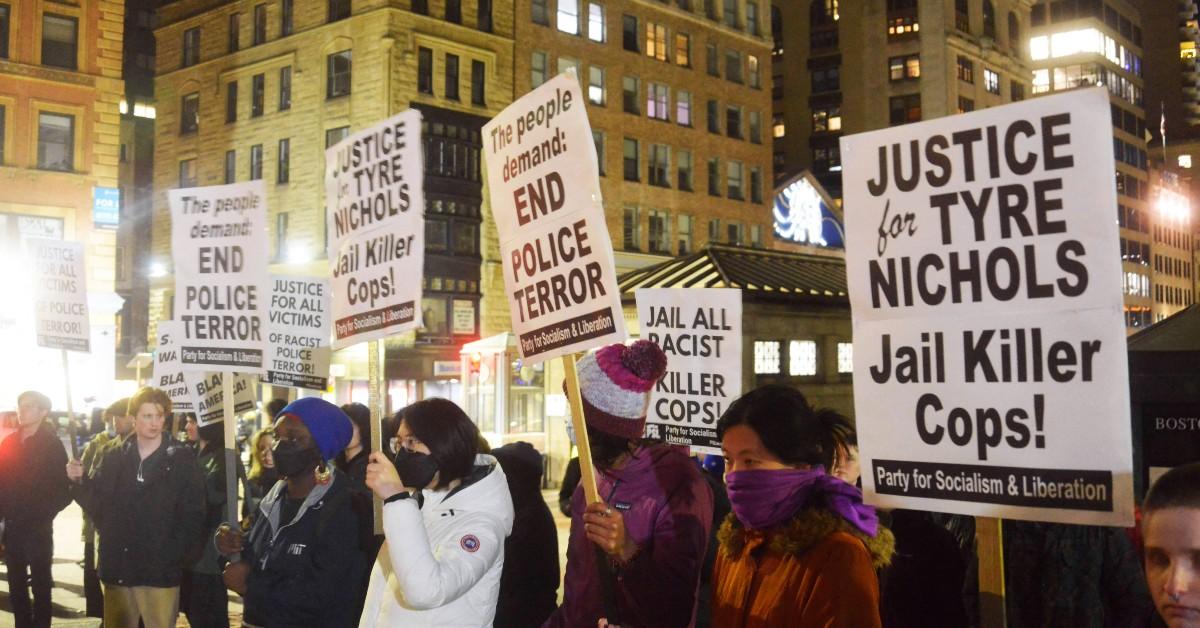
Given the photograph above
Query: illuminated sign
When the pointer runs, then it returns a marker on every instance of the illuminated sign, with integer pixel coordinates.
(802, 216)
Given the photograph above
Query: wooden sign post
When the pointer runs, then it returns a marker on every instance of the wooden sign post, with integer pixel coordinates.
(989, 545)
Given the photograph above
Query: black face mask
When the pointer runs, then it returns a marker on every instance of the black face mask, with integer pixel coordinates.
(291, 461)
(416, 470)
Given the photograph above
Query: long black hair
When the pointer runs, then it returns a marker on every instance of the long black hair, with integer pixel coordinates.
(789, 426)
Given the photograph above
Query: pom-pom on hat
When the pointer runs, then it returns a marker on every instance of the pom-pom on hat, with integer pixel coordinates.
(615, 383)
(330, 427)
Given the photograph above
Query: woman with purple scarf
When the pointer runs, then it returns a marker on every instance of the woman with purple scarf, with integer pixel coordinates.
(800, 548)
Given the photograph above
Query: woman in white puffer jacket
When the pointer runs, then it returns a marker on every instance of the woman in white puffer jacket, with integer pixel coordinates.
(446, 513)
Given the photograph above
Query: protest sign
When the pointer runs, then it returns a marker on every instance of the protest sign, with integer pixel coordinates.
(700, 330)
(208, 389)
(990, 373)
(298, 332)
(375, 204)
(60, 295)
(218, 236)
(168, 372)
(554, 241)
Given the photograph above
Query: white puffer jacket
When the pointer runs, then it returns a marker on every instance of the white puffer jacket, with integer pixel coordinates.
(440, 564)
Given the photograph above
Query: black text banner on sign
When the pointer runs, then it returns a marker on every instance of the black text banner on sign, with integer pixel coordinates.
(168, 370)
(554, 241)
(298, 332)
(60, 295)
(375, 213)
(700, 330)
(990, 375)
(209, 390)
(218, 238)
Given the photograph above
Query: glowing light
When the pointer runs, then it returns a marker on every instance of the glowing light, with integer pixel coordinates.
(299, 254)
(158, 269)
(1173, 206)
(1185, 161)
(798, 215)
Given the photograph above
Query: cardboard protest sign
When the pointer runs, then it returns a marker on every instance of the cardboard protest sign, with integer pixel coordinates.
(375, 204)
(990, 374)
(298, 332)
(168, 372)
(554, 241)
(700, 330)
(208, 390)
(218, 237)
(60, 295)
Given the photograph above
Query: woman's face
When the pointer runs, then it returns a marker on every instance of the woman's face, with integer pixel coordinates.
(744, 451)
(355, 437)
(265, 442)
(193, 433)
(290, 428)
(846, 467)
(405, 439)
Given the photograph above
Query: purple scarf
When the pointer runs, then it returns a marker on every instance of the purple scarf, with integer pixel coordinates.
(763, 499)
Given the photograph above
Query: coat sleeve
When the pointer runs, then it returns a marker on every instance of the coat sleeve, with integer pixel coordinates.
(54, 483)
(662, 578)
(188, 531)
(336, 568)
(95, 491)
(427, 580)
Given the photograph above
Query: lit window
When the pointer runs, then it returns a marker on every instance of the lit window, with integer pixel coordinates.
(596, 22)
(538, 68)
(845, 357)
(1039, 47)
(991, 81)
(766, 357)
(596, 85)
(656, 41)
(568, 16)
(1041, 81)
(802, 358)
(657, 99)
(1184, 161)
(683, 108)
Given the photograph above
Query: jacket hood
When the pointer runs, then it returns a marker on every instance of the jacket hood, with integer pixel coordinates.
(522, 465)
(487, 495)
(809, 527)
(267, 506)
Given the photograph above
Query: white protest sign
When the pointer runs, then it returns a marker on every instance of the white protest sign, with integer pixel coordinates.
(218, 236)
(700, 330)
(298, 332)
(990, 374)
(209, 389)
(60, 295)
(554, 243)
(168, 372)
(375, 205)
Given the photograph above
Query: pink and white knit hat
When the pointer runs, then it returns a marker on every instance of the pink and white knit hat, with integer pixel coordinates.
(615, 383)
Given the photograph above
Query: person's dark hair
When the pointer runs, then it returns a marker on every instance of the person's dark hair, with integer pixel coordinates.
(788, 426)
(273, 408)
(213, 434)
(452, 438)
(118, 408)
(1177, 488)
(361, 416)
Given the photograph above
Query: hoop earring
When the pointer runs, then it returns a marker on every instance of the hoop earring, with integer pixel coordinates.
(324, 474)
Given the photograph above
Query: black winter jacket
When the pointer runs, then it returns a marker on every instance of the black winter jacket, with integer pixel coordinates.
(304, 573)
(149, 513)
(33, 482)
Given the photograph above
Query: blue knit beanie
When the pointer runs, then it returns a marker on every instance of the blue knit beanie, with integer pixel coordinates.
(329, 426)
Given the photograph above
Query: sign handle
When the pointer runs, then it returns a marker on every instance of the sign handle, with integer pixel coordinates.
(989, 543)
(231, 457)
(376, 389)
(586, 469)
(70, 408)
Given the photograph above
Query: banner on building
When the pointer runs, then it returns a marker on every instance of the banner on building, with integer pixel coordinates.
(990, 372)
(554, 242)
(60, 295)
(375, 204)
(168, 369)
(298, 332)
(208, 389)
(218, 237)
(700, 330)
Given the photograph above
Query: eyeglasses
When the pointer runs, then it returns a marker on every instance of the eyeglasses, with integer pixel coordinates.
(409, 442)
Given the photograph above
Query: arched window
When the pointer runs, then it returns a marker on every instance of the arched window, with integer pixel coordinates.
(1014, 31)
(962, 16)
(823, 12)
(989, 19)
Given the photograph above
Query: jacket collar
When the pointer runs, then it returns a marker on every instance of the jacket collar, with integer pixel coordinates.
(279, 492)
(806, 529)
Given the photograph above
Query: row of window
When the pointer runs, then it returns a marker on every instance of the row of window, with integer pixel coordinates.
(60, 38)
(1133, 218)
(451, 84)
(658, 165)
(667, 235)
(1128, 121)
(1067, 10)
(1172, 237)
(569, 15)
(801, 357)
(962, 21)
(1137, 317)
(1135, 284)
(258, 91)
(1172, 266)
(453, 12)
(1129, 154)
(1135, 252)
(189, 175)
(55, 140)
(1084, 74)
(1131, 186)
(1172, 295)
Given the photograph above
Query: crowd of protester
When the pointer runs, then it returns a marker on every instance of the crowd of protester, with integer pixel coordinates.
(772, 533)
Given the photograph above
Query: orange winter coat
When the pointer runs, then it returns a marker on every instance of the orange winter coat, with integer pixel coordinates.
(817, 571)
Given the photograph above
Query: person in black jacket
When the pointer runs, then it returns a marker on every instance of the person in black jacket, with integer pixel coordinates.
(146, 498)
(352, 462)
(296, 566)
(529, 581)
(203, 598)
(33, 490)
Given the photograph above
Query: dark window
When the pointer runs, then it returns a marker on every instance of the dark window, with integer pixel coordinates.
(425, 70)
(231, 98)
(451, 90)
(1037, 17)
(826, 80)
(478, 83)
(235, 29)
(733, 122)
(187, 173)
(965, 105)
(189, 114)
(904, 109)
(258, 93)
(256, 159)
(965, 70)
(420, 6)
(333, 136)
(822, 12)
(1014, 34)
(629, 95)
(539, 13)
(454, 11)
(756, 191)
(338, 10)
(989, 19)
(659, 168)
(5, 17)
(629, 33)
(230, 166)
(285, 88)
(59, 41)
(484, 17)
(712, 60)
(56, 141)
(285, 18)
(337, 74)
(284, 162)
(3, 130)
(714, 177)
(260, 24)
(632, 167)
(191, 47)
(962, 16)
(714, 117)
(731, 13)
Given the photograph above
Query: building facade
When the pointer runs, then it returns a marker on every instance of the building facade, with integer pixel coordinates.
(843, 68)
(258, 90)
(60, 92)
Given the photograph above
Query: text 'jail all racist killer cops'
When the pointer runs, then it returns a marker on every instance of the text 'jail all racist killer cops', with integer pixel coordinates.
(1015, 210)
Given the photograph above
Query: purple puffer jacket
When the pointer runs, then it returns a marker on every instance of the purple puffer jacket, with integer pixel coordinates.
(667, 508)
